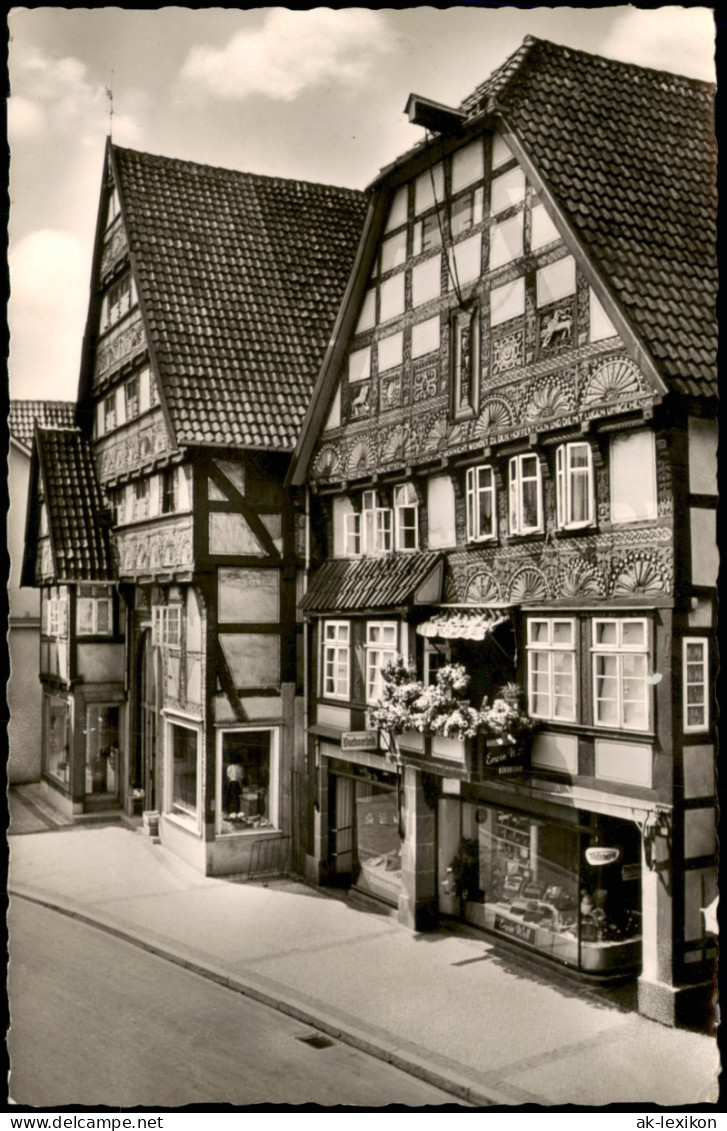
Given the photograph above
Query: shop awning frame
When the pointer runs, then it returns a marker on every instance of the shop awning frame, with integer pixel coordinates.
(464, 622)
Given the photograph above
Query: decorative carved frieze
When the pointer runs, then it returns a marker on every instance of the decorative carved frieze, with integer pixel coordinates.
(549, 399)
(115, 247)
(507, 352)
(390, 390)
(139, 443)
(556, 329)
(158, 549)
(119, 347)
(424, 383)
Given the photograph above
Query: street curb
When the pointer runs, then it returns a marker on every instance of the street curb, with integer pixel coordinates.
(461, 1088)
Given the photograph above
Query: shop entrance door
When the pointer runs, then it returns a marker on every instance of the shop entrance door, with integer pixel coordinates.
(146, 722)
(342, 831)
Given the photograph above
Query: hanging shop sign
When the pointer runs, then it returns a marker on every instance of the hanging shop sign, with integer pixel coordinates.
(360, 740)
(597, 856)
(503, 758)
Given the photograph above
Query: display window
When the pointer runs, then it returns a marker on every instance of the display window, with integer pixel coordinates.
(56, 745)
(570, 894)
(365, 847)
(247, 780)
(183, 778)
(102, 749)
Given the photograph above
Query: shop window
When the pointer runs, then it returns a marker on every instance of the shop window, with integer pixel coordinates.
(248, 775)
(94, 611)
(633, 477)
(336, 659)
(166, 626)
(465, 363)
(574, 486)
(526, 494)
(102, 749)
(109, 412)
(56, 745)
(552, 669)
(183, 787)
(437, 654)
(406, 517)
(170, 493)
(131, 398)
(621, 696)
(380, 650)
(481, 504)
(573, 896)
(695, 684)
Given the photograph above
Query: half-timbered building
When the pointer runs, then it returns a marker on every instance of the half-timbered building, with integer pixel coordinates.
(213, 295)
(511, 462)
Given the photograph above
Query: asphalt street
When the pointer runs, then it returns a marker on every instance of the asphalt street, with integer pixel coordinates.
(96, 1021)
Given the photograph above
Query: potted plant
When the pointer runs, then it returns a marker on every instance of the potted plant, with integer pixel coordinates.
(507, 728)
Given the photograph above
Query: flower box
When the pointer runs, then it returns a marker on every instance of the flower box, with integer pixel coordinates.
(412, 740)
(452, 749)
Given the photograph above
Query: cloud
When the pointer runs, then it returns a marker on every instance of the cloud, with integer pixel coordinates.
(681, 40)
(293, 51)
(56, 97)
(49, 273)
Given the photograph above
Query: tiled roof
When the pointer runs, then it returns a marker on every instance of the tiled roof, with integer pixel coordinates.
(77, 512)
(23, 415)
(630, 155)
(354, 585)
(241, 277)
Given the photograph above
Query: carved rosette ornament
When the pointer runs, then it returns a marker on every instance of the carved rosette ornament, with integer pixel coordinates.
(528, 584)
(496, 416)
(395, 444)
(483, 589)
(327, 463)
(549, 400)
(580, 578)
(640, 573)
(611, 381)
(360, 459)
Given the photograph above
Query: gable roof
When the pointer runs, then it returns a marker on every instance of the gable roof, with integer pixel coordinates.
(24, 414)
(626, 156)
(240, 278)
(629, 153)
(64, 471)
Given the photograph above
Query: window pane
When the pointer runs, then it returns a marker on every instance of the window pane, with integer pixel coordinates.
(539, 631)
(633, 633)
(85, 615)
(579, 497)
(695, 653)
(562, 632)
(606, 632)
(246, 775)
(184, 769)
(529, 505)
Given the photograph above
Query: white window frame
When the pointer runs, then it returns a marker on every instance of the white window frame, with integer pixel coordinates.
(178, 813)
(92, 603)
(547, 649)
(166, 626)
(474, 491)
(378, 654)
(352, 534)
(273, 785)
(619, 650)
(53, 625)
(703, 682)
(443, 653)
(565, 479)
(334, 650)
(405, 492)
(517, 481)
(109, 413)
(383, 532)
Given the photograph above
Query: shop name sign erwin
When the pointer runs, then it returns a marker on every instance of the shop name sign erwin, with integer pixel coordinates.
(598, 856)
(360, 740)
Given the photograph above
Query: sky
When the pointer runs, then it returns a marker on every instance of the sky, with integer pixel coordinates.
(317, 94)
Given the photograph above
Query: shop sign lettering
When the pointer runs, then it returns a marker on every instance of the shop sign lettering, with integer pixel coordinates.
(503, 759)
(360, 740)
(597, 856)
(515, 930)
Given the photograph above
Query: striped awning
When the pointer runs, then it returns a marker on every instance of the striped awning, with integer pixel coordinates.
(462, 623)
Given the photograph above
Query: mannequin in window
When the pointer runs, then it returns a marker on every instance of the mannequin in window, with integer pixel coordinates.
(233, 787)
